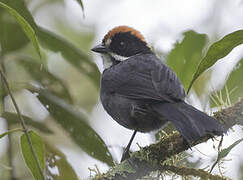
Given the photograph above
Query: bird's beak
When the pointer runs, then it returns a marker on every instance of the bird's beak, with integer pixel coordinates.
(100, 49)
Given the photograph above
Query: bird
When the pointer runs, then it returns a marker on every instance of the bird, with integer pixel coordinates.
(142, 93)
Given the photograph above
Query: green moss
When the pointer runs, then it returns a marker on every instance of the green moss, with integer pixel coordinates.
(120, 169)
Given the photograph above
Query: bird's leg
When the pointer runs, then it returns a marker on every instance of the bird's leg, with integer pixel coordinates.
(187, 144)
(125, 154)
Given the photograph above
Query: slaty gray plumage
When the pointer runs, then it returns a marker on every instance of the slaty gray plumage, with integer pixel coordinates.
(142, 93)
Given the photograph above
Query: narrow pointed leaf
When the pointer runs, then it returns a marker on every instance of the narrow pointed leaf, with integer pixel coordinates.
(81, 39)
(58, 161)
(12, 119)
(38, 146)
(57, 44)
(222, 154)
(12, 37)
(75, 123)
(29, 31)
(4, 134)
(217, 51)
(22, 9)
(45, 78)
(72, 54)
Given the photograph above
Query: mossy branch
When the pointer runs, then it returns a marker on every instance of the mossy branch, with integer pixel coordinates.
(150, 158)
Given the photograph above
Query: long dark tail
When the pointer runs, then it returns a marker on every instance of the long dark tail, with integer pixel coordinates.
(190, 122)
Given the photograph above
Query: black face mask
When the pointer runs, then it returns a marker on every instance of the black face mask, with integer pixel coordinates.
(127, 45)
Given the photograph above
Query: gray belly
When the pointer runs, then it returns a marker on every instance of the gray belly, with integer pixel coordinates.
(131, 114)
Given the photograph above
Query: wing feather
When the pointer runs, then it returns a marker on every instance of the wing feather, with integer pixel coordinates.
(143, 77)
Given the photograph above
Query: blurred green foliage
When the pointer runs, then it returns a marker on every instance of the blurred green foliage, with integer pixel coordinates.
(13, 120)
(232, 91)
(45, 78)
(66, 80)
(75, 56)
(15, 46)
(55, 159)
(186, 55)
(24, 25)
(76, 125)
(12, 36)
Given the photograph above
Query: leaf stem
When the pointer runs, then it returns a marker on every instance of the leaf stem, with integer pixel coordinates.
(10, 131)
(22, 123)
(2, 110)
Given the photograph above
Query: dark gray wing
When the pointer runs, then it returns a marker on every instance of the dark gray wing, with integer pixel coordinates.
(143, 77)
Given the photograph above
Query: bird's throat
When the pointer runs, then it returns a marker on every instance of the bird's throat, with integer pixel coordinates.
(109, 61)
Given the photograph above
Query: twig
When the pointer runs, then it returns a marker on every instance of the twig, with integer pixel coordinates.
(184, 171)
(22, 123)
(10, 147)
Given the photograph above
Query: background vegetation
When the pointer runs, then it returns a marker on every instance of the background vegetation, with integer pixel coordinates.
(55, 82)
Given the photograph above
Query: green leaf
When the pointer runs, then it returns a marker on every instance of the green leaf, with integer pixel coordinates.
(38, 147)
(3, 166)
(45, 78)
(13, 119)
(217, 51)
(185, 56)
(21, 8)
(10, 131)
(12, 36)
(4, 134)
(75, 123)
(29, 31)
(222, 154)
(81, 39)
(73, 55)
(233, 88)
(55, 159)
(57, 44)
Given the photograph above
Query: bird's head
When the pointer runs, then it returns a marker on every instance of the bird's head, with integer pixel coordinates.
(119, 44)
